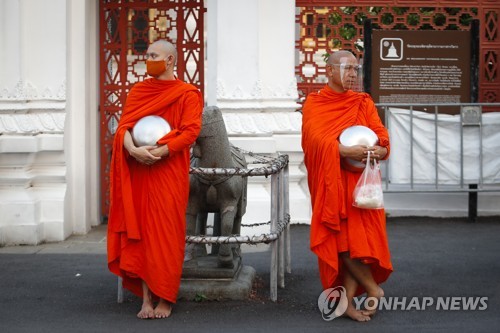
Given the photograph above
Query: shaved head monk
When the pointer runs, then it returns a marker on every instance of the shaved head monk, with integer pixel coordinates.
(351, 243)
(150, 185)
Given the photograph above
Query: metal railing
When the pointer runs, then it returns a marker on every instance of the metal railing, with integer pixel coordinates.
(470, 116)
(277, 168)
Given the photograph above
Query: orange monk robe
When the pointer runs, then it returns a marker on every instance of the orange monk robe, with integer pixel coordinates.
(336, 225)
(146, 224)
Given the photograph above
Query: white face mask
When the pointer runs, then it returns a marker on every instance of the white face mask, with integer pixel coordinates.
(351, 75)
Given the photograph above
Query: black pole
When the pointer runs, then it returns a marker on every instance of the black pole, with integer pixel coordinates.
(367, 56)
(472, 203)
(474, 98)
(474, 61)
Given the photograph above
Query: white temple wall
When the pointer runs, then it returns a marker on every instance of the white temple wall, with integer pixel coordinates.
(252, 63)
(32, 111)
(47, 176)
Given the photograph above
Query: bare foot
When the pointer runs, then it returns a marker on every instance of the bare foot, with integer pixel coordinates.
(147, 311)
(356, 315)
(372, 303)
(163, 309)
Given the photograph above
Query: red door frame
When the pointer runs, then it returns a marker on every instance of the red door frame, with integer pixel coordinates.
(126, 29)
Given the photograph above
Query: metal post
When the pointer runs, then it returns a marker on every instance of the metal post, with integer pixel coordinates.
(471, 116)
(387, 165)
(287, 213)
(120, 290)
(461, 150)
(274, 244)
(436, 146)
(281, 238)
(411, 147)
(474, 98)
(473, 203)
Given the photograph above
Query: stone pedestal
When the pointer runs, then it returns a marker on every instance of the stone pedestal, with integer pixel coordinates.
(202, 278)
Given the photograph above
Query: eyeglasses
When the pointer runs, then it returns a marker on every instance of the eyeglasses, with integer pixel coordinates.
(355, 68)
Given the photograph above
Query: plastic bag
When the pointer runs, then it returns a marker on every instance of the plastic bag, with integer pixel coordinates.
(368, 192)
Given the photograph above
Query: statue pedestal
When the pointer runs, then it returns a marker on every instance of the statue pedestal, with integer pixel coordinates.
(202, 278)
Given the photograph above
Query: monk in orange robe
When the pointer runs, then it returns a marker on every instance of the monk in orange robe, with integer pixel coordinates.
(150, 186)
(351, 243)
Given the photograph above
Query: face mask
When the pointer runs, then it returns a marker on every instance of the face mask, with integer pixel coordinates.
(155, 67)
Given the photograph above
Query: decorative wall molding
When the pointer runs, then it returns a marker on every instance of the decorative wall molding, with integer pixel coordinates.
(32, 123)
(263, 123)
(259, 91)
(26, 91)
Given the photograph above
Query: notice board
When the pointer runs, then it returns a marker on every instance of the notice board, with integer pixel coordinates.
(421, 66)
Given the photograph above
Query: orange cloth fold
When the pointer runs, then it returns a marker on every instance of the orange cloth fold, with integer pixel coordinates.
(337, 226)
(146, 222)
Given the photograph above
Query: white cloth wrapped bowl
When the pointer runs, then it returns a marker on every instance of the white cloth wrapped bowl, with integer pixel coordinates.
(357, 135)
(148, 130)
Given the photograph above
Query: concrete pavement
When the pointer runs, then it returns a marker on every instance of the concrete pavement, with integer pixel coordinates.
(66, 287)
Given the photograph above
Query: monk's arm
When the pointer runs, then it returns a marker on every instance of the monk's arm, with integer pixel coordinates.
(190, 124)
(381, 151)
(357, 152)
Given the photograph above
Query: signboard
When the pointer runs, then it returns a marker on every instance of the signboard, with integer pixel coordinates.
(421, 67)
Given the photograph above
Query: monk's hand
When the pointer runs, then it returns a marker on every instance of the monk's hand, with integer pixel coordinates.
(367, 149)
(143, 155)
(356, 152)
(379, 152)
(160, 151)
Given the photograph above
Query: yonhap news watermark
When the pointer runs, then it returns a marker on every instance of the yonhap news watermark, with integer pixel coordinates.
(453, 303)
(333, 303)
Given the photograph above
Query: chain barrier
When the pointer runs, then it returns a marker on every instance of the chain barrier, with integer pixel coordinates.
(237, 239)
(273, 165)
(277, 237)
(251, 225)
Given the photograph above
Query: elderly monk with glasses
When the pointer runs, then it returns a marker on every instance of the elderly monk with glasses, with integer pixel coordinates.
(350, 243)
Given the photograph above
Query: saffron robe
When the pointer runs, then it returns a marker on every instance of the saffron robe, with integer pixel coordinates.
(336, 225)
(146, 222)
